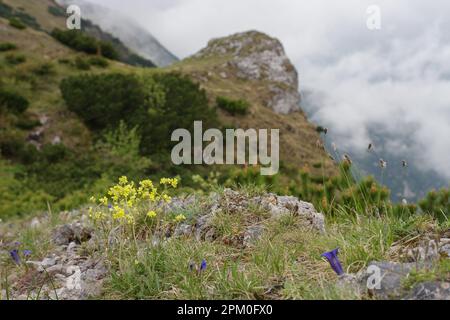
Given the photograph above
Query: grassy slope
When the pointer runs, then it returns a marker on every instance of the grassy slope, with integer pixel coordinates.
(298, 143)
(43, 92)
(39, 10)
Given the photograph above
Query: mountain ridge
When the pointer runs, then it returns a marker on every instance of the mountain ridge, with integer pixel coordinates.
(130, 33)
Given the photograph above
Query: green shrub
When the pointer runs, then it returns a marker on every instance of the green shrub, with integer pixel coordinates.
(103, 100)
(56, 11)
(7, 46)
(118, 153)
(80, 41)
(15, 59)
(13, 101)
(82, 64)
(17, 23)
(26, 123)
(98, 62)
(233, 106)
(76, 40)
(11, 143)
(107, 50)
(64, 61)
(17, 198)
(184, 102)
(437, 204)
(43, 70)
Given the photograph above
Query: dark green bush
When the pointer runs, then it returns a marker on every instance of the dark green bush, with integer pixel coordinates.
(11, 143)
(80, 41)
(43, 70)
(76, 40)
(437, 203)
(64, 61)
(7, 46)
(27, 123)
(17, 23)
(82, 64)
(98, 62)
(103, 100)
(233, 106)
(13, 101)
(56, 11)
(184, 103)
(15, 59)
(157, 105)
(107, 50)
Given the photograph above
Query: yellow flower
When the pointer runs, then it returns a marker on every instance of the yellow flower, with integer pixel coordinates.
(166, 198)
(104, 201)
(92, 199)
(180, 218)
(151, 214)
(90, 212)
(168, 181)
(129, 218)
(119, 213)
(123, 180)
(98, 216)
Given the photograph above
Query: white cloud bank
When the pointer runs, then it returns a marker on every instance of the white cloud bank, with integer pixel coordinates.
(396, 79)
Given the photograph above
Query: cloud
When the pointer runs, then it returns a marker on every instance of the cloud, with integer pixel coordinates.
(395, 80)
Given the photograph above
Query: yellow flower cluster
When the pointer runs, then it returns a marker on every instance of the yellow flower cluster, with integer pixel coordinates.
(169, 181)
(151, 214)
(180, 218)
(147, 191)
(97, 215)
(123, 199)
(123, 193)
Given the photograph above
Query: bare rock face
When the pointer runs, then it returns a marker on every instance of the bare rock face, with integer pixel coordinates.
(255, 56)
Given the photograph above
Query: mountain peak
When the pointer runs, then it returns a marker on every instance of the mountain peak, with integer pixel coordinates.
(253, 55)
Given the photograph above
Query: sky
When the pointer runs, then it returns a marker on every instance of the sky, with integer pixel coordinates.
(395, 80)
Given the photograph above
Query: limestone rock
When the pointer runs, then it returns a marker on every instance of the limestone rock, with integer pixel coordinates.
(255, 56)
(71, 232)
(432, 290)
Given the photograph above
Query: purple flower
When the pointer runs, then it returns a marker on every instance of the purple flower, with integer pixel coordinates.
(332, 257)
(15, 256)
(26, 253)
(203, 265)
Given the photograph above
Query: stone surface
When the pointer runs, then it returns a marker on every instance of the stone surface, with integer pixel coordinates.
(392, 276)
(252, 234)
(67, 233)
(233, 202)
(433, 290)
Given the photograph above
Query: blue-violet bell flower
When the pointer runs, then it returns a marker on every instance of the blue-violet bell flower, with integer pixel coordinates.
(15, 256)
(203, 265)
(332, 257)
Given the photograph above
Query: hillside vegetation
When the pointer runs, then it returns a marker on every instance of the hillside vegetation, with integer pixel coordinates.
(88, 187)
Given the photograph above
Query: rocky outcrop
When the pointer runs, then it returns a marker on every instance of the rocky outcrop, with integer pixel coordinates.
(255, 56)
(67, 273)
(233, 202)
